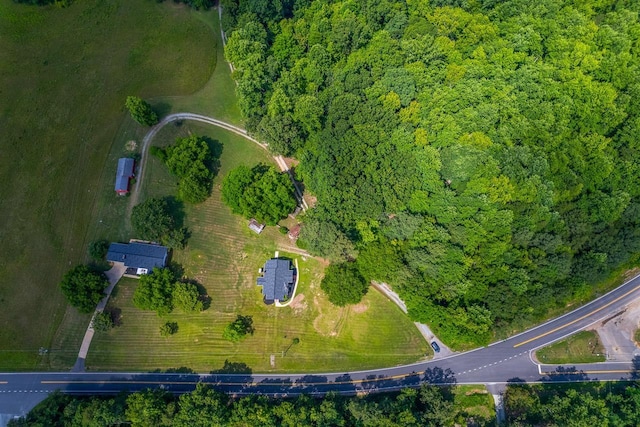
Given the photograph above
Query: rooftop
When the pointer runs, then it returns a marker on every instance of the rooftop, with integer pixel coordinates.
(277, 279)
(138, 255)
(125, 171)
(256, 226)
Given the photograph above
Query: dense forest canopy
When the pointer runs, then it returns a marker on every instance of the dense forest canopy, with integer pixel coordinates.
(485, 152)
(429, 406)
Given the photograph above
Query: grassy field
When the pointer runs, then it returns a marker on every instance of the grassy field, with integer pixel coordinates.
(224, 256)
(583, 347)
(64, 76)
(476, 403)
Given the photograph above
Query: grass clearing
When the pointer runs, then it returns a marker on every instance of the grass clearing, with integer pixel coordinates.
(583, 347)
(224, 256)
(475, 403)
(61, 105)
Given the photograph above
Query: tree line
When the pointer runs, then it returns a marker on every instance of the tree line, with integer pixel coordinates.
(424, 407)
(593, 404)
(481, 157)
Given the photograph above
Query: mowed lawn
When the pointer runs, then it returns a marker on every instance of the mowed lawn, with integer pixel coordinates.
(64, 75)
(582, 347)
(224, 256)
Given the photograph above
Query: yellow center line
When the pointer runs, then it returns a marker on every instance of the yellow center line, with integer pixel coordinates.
(577, 320)
(626, 371)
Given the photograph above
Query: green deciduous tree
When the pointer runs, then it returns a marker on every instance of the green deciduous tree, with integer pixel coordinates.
(98, 249)
(325, 239)
(191, 161)
(344, 284)
(102, 322)
(155, 291)
(141, 111)
(186, 297)
(83, 288)
(238, 329)
(261, 193)
(150, 408)
(152, 220)
(203, 407)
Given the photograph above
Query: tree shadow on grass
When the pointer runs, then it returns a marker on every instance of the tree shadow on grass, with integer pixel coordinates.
(116, 315)
(233, 368)
(180, 370)
(176, 210)
(162, 108)
(202, 292)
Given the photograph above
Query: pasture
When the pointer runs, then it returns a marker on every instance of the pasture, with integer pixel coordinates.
(64, 76)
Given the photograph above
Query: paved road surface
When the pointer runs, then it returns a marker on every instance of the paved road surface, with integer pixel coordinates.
(508, 360)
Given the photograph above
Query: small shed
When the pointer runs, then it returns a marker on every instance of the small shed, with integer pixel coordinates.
(126, 167)
(256, 226)
(294, 232)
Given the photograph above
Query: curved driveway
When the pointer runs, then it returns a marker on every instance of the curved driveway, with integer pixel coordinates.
(211, 121)
(500, 362)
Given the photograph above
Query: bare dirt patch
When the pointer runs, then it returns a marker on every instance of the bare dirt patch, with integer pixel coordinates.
(360, 308)
(298, 304)
(131, 145)
(630, 274)
(617, 331)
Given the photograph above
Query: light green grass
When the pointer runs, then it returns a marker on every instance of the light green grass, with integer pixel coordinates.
(636, 337)
(64, 75)
(217, 98)
(224, 256)
(583, 347)
(475, 403)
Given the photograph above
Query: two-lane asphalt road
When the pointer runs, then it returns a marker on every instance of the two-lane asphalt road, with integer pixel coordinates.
(501, 362)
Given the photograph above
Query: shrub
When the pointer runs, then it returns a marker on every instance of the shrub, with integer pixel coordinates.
(98, 249)
(169, 328)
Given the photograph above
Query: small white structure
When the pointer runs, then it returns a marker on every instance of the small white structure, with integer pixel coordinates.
(256, 226)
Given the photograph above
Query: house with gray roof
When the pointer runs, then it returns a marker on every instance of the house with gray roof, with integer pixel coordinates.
(277, 280)
(139, 258)
(124, 174)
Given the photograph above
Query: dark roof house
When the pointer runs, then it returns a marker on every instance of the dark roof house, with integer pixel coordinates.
(139, 258)
(277, 280)
(124, 174)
